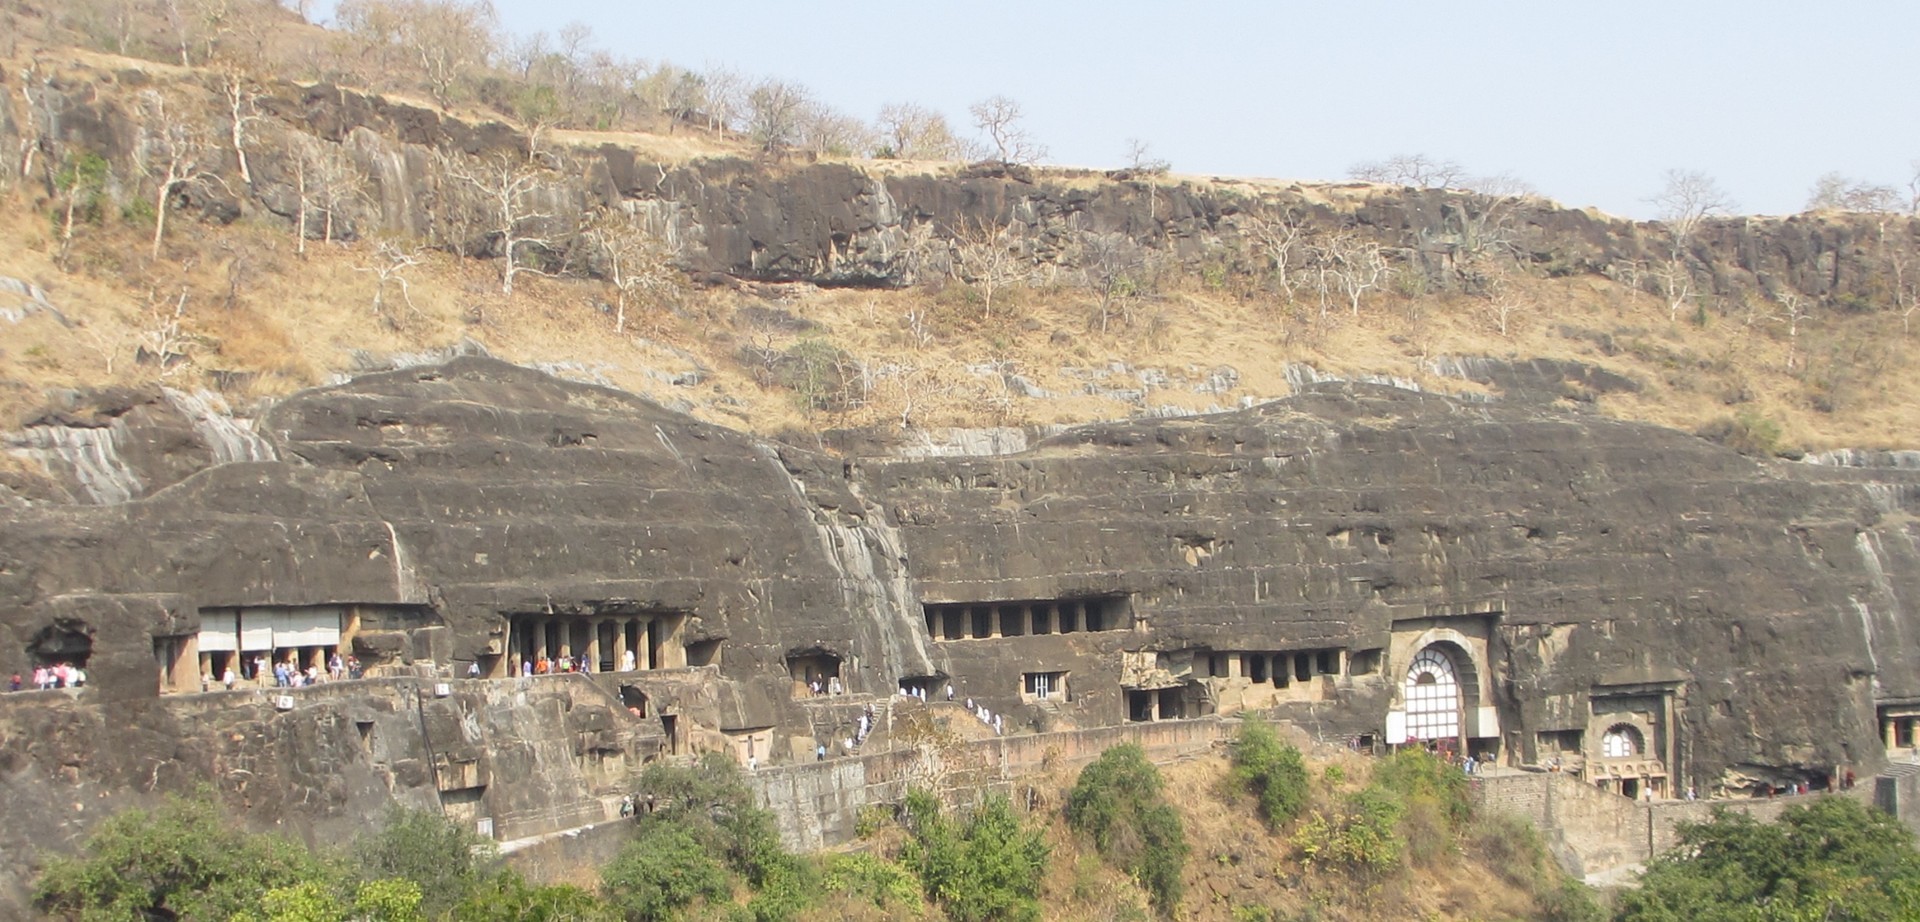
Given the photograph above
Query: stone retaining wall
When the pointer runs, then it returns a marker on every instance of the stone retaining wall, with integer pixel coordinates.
(818, 803)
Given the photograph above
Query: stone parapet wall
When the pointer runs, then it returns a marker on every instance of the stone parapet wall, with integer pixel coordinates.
(1593, 831)
(818, 803)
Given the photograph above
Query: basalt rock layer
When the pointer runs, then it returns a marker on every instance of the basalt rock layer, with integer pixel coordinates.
(1648, 606)
(871, 225)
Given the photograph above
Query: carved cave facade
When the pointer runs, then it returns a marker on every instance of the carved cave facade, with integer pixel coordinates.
(1382, 569)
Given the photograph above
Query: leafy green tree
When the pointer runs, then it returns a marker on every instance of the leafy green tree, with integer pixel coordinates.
(1273, 771)
(311, 901)
(662, 871)
(711, 801)
(985, 869)
(183, 860)
(389, 900)
(1834, 860)
(445, 861)
(1119, 801)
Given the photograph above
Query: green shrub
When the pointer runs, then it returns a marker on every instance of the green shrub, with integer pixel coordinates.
(875, 880)
(1571, 901)
(444, 860)
(662, 871)
(505, 897)
(1834, 860)
(787, 887)
(1746, 432)
(871, 819)
(1360, 836)
(1510, 847)
(184, 860)
(1273, 771)
(987, 869)
(1415, 774)
(1118, 802)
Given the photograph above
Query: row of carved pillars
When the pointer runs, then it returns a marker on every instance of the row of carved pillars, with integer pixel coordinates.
(605, 641)
(1014, 620)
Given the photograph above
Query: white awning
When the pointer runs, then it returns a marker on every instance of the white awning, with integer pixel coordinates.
(255, 638)
(318, 626)
(216, 640)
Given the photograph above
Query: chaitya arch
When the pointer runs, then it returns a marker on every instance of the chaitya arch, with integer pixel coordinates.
(1622, 741)
(1432, 696)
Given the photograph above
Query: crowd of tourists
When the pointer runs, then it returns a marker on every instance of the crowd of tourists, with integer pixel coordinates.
(564, 664)
(45, 677)
(285, 673)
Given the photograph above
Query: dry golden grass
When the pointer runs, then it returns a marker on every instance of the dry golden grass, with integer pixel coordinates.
(931, 358)
(924, 358)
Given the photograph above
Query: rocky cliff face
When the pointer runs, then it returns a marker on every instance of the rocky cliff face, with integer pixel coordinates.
(841, 224)
(1294, 558)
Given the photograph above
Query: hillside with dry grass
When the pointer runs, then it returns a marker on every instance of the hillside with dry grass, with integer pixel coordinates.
(232, 299)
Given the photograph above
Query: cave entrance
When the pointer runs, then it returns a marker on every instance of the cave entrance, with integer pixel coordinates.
(704, 652)
(634, 700)
(1141, 705)
(919, 686)
(1172, 704)
(670, 725)
(814, 673)
(63, 647)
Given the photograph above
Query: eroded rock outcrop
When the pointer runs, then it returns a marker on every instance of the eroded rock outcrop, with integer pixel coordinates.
(1379, 565)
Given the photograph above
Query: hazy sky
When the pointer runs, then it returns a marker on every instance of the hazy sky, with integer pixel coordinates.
(1590, 102)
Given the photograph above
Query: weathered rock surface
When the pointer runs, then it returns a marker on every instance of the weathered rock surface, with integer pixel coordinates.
(842, 224)
(1574, 560)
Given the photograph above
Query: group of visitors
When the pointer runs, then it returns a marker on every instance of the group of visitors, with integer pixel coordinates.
(981, 713)
(57, 675)
(633, 807)
(285, 672)
(831, 687)
(564, 664)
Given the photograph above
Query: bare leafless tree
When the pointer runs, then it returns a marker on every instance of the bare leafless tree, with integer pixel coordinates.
(1834, 192)
(1795, 311)
(81, 184)
(33, 135)
(326, 180)
(1140, 158)
(161, 333)
(389, 267)
(509, 187)
(1116, 269)
(1001, 118)
(725, 92)
(1906, 289)
(1687, 200)
(774, 110)
(913, 132)
(171, 151)
(1505, 302)
(825, 130)
(987, 257)
(1352, 264)
(1274, 237)
(441, 41)
(1416, 170)
(639, 261)
(242, 110)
